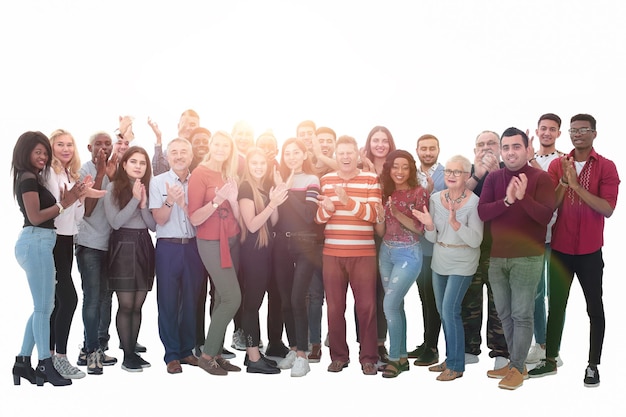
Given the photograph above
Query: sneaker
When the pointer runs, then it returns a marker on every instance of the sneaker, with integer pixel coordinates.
(141, 361)
(130, 364)
(418, 351)
(592, 377)
(197, 351)
(65, 368)
(138, 348)
(289, 360)
(316, 353)
(500, 362)
(512, 380)
(429, 357)
(544, 368)
(227, 354)
(94, 363)
(536, 354)
(239, 340)
(326, 342)
(470, 359)
(82, 357)
(300, 367)
(106, 359)
(559, 361)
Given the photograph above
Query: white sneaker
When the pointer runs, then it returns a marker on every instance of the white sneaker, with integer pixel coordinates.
(289, 360)
(239, 340)
(559, 361)
(66, 369)
(470, 359)
(536, 354)
(500, 362)
(300, 367)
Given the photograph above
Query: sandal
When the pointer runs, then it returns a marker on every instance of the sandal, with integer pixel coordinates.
(395, 368)
(449, 375)
(438, 368)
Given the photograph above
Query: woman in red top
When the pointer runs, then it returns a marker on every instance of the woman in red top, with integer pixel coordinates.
(214, 210)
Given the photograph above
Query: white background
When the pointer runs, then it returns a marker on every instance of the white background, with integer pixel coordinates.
(450, 68)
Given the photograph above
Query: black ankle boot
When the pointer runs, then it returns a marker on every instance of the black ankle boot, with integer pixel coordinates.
(23, 369)
(47, 373)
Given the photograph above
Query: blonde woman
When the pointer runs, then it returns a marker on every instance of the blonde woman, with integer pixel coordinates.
(258, 203)
(64, 175)
(214, 210)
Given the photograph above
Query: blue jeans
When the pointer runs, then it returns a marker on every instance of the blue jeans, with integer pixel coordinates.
(514, 285)
(540, 300)
(93, 267)
(399, 266)
(449, 293)
(33, 251)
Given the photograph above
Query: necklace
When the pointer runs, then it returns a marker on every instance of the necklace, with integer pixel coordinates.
(458, 200)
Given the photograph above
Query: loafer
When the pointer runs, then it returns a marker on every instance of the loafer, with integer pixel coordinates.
(449, 375)
(173, 367)
(316, 353)
(189, 360)
(337, 366)
(438, 368)
(369, 369)
(427, 358)
(261, 367)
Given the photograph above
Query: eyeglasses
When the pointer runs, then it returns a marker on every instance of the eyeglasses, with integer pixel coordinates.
(456, 172)
(582, 131)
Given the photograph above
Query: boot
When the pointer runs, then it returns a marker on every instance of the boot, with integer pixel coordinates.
(47, 373)
(23, 369)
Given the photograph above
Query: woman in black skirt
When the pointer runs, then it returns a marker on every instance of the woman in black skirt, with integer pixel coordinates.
(131, 251)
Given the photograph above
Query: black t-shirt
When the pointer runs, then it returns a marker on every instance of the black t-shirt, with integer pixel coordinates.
(27, 182)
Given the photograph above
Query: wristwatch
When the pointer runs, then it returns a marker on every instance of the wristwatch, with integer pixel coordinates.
(61, 208)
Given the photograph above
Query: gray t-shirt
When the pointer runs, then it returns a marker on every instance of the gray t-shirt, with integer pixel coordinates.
(94, 231)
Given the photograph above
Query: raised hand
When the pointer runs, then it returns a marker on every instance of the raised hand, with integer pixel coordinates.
(278, 195)
(341, 194)
(326, 203)
(175, 193)
(136, 190)
(424, 217)
(112, 166)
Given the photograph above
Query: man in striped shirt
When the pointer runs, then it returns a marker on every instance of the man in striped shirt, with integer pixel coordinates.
(347, 206)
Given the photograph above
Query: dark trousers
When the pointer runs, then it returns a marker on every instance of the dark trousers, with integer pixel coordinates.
(432, 320)
(589, 270)
(65, 299)
(179, 275)
(255, 267)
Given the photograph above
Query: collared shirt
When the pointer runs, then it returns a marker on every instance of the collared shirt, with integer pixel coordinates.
(436, 173)
(579, 229)
(178, 225)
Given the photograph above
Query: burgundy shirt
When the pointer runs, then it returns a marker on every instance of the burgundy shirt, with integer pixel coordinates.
(579, 229)
(518, 230)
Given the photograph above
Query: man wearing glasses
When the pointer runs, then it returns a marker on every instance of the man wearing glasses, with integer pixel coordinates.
(586, 193)
(486, 159)
(519, 201)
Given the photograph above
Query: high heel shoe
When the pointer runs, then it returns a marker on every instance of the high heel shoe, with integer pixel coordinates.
(23, 369)
(46, 372)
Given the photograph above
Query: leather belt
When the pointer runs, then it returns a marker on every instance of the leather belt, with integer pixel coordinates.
(447, 245)
(179, 240)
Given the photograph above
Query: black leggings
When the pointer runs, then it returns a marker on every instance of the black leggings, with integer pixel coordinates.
(254, 273)
(65, 300)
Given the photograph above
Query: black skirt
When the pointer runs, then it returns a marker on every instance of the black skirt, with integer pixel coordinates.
(131, 260)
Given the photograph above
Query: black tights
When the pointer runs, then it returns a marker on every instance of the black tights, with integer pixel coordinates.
(128, 318)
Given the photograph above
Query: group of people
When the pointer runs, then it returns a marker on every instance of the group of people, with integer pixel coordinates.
(221, 216)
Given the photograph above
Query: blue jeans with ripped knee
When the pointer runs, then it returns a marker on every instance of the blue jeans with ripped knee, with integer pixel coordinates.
(399, 265)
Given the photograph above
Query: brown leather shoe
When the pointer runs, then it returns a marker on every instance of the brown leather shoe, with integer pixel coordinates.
(226, 365)
(316, 353)
(337, 366)
(449, 375)
(369, 369)
(189, 360)
(211, 366)
(173, 367)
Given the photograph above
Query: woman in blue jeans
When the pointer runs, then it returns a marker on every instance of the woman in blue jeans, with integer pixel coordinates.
(33, 251)
(452, 223)
(400, 256)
